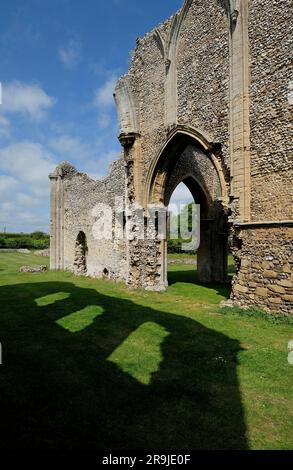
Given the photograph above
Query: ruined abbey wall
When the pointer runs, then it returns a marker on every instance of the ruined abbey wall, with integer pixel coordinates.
(214, 78)
(173, 85)
(74, 199)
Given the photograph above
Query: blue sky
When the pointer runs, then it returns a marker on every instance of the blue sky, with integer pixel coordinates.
(59, 61)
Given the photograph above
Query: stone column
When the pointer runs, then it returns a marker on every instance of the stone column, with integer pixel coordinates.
(239, 111)
(57, 221)
(212, 256)
(204, 253)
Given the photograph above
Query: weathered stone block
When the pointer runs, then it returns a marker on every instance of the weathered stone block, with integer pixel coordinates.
(240, 288)
(245, 263)
(262, 291)
(275, 300)
(277, 289)
(270, 274)
(286, 268)
(257, 266)
(285, 283)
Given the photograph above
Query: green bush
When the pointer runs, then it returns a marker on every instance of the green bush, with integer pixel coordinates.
(31, 241)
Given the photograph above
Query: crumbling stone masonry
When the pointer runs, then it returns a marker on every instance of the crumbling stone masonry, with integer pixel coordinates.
(207, 101)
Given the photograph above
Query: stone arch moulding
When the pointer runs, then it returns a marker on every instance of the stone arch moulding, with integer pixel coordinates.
(165, 43)
(168, 48)
(231, 6)
(127, 111)
(179, 138)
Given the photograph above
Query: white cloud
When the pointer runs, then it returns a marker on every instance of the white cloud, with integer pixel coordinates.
(29, 162)
(24, 186)
(4, 126)
(15, 217)
(106, 158)
(27, 99)
(94, 160)
(104, 94)
(7, 184)
(104, 120)
(70, 147)
(26, 200)
(180, 196)
(104, 101)
(70, 54)
(182, 193)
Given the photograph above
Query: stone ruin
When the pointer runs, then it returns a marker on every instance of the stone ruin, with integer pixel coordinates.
(207, 101)
(33, 269)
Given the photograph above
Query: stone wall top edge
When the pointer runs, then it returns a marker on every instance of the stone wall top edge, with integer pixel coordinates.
(67, 171)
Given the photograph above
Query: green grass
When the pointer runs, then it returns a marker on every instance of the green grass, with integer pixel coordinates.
(181, 256)
(89, 364)
(185, 256)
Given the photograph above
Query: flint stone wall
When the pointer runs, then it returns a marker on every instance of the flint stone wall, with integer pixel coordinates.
(271, 45)
(80, 196)
(203, 71)
(265, 277)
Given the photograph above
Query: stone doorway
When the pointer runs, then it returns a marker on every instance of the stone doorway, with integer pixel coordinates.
(185, 160)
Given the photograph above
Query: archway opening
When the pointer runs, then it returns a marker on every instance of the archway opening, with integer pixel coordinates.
(195, 265)
(80, 254)
(182, 264)
(185, 160)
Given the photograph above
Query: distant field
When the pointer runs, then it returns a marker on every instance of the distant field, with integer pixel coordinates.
(91, 364)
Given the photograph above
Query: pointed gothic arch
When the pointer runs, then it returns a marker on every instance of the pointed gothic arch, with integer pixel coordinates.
(177, 141)
(187, 156)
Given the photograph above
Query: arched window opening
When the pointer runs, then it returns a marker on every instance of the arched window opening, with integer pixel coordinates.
(81, 249)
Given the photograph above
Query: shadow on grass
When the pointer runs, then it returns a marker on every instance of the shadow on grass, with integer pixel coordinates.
(189, 276)
(60, 391)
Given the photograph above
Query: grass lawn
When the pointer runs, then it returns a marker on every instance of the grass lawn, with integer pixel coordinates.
(89, 364)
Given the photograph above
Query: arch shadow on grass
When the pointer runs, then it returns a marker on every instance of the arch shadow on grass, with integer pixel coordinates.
(73, 379)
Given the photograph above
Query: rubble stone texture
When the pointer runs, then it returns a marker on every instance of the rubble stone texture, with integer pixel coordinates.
(33, 269)
(207, 101)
